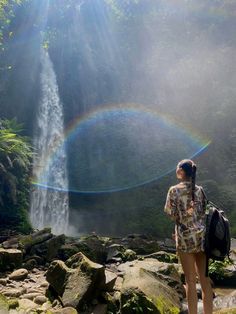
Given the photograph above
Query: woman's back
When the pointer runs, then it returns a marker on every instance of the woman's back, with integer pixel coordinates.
(189, 216)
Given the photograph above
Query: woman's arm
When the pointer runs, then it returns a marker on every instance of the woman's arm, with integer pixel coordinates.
(171, 208)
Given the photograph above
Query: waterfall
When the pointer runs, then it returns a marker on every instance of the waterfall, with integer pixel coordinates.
(49, 199)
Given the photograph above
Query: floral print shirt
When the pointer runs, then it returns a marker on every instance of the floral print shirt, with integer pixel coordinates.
(189, 216)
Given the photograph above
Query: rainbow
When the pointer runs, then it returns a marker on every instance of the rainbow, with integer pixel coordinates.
(91, 118)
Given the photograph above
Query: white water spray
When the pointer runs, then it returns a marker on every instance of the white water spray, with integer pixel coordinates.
(49, 207)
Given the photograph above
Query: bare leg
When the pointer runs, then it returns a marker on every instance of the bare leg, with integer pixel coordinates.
(207, 293)
(188, 263)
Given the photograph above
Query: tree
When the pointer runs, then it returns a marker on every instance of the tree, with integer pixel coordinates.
(15, 161)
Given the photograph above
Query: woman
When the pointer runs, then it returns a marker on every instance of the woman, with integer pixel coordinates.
(185, 205)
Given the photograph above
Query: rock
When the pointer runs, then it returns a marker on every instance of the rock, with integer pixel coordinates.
(13, 293)
(57, 276)
(30, 296)
(141, 244)
(28, 241)
(163, 256)
(118, 283)
(100, 309)
(168, 245)
(223, 275)
(48, 249)
(66, 310)
(114, 251)
(40, 299)
(84, 282)
(26, 304)
(226, 311)
(3, 281)
(19, 274)
(10, 259)
(222, 302)
(13, 303)
(4, 307)
(30, 264)
(110, 280)
(150, 284)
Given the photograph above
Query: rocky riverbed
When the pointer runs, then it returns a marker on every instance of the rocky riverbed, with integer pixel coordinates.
(44, 273)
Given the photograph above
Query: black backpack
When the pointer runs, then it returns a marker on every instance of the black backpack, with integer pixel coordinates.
(217, 236)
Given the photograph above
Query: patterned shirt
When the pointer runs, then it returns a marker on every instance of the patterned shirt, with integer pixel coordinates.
(188, 216)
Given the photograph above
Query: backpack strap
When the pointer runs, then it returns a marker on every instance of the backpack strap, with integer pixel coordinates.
(207, 256)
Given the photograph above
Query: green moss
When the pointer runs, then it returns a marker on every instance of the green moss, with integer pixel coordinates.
(3, 303)
(13, 303)
(165, 306)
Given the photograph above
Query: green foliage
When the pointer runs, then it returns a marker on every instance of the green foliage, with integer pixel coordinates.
(15, 161)
(217, 269)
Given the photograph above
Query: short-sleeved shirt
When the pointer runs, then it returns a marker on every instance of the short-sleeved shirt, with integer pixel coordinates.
(189, 216)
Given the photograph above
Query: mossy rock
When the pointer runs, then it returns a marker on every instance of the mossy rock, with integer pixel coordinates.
(163, 256)
(4, 306)
(165, 307)
(134, 301)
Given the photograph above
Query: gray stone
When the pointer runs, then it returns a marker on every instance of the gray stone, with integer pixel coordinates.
(19, 274)
(30, 296)
(40, 299)
(150, 284)
(110, 280)
(14, 292)
(10, 259)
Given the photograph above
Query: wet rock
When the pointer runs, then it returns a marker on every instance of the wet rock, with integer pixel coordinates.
(19, 274)
(10, 259)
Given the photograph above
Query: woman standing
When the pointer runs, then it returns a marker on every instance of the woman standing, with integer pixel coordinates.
(185, 205)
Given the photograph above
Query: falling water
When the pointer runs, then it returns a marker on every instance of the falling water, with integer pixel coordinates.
(49, 207)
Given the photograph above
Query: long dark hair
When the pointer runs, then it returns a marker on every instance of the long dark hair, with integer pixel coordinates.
(190, 169)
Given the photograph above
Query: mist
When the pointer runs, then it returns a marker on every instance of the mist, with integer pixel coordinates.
(143, 84)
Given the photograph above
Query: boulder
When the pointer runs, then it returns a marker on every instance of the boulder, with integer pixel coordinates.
(84, 283)
(163, 256)
(57, 275)
(223, 274)
(77, 281)
(3, 304)
(10, 259)
(141, 244)
(19, 274)
(110, 280)
(48, 249)
(152, 286)
(225, 301)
